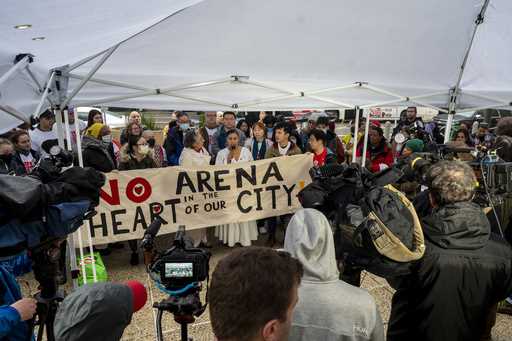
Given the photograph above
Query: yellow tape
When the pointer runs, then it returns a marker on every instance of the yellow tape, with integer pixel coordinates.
(414, 161)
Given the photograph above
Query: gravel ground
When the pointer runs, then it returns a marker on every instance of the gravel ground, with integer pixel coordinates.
(142, 326)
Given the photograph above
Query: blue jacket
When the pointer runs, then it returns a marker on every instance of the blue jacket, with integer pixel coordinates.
(11, 326)
(174, 146)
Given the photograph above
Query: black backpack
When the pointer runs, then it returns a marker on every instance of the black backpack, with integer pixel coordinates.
(387, 236)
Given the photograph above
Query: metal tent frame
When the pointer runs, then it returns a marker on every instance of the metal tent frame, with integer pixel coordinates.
(55, 91)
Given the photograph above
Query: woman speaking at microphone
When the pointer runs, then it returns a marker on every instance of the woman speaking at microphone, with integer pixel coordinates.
(244, 232)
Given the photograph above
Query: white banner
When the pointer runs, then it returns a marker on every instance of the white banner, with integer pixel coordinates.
(197, 198)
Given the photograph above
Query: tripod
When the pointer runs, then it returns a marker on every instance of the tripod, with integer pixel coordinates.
(46, 270)
(183, 308)
(45, 312)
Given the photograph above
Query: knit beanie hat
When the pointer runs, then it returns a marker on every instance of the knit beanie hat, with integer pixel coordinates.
(415, 145)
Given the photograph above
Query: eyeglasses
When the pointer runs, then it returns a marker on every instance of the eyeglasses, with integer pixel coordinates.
(142, 144)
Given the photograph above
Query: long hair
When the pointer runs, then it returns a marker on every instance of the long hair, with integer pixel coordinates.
(90, 117)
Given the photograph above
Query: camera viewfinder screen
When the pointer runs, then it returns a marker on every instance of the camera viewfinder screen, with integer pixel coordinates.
(179, 270)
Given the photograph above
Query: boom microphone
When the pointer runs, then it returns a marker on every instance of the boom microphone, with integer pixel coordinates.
(151, 232)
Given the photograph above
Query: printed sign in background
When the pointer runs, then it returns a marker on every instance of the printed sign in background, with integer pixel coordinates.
(197, 198)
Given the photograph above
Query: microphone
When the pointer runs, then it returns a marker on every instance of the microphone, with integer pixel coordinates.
(150, 234)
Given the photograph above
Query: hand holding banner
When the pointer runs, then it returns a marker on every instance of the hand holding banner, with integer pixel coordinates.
(197, 198)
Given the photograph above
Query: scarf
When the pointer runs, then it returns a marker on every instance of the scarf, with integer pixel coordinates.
(259, 154)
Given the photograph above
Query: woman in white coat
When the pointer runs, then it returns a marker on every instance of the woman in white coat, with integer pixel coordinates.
(244, 232)
(194, 155)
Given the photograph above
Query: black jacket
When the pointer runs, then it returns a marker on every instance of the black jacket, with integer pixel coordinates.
(451, 290)
(8, 166)
(96, 155)
(19, 166)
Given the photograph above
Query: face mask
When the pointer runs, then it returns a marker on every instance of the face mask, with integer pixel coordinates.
(324, 130)
(151, 143)
(270, 130)
(144, 150)
(184, 126)
(106, 138)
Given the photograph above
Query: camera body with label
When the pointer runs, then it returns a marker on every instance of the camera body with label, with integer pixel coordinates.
(181, 266)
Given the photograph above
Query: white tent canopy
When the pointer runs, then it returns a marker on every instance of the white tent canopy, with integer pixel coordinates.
(251, 55)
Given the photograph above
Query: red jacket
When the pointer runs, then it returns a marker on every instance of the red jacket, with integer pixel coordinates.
(380, 155)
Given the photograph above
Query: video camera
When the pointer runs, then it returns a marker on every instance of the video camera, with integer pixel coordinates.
(178, 272)
(37, 212)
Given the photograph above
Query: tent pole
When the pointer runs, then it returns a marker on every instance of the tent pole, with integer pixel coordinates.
(264, 86)
(404, 99)
(336, 88)
(114, 99)
(356, 131)
(31, 74)
(365, 142)
(453, 99)
(194, 99)
(58, 122)
(67, 130)
(71, 240)
(326, 100)
(85, 60)
(268, 100)
(89, 75)
(383, 92)
(113, 83)
(195, 85)
(86, 223)
(45, 94)
(23, 63)
(13, 112)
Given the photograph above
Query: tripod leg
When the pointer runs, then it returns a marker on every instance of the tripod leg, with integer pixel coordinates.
(184, 332)
(40, 332)
(159, 335)
(50, 320)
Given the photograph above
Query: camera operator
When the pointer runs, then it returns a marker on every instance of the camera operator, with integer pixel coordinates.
(410, 121)
(14, 310)
(253, 293)
(328, 308)
(453, 290)
(99, 311)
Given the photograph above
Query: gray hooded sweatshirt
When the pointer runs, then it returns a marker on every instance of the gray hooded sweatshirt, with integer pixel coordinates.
(328, 308)
(95, 312)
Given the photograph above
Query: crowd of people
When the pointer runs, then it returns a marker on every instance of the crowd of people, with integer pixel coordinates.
(258, 293)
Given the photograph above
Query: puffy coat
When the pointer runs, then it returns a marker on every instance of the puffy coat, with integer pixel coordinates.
(380, 157)
(452, 289)
(97, 155)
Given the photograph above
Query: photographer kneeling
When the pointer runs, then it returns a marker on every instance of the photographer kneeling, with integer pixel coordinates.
(452, 292)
